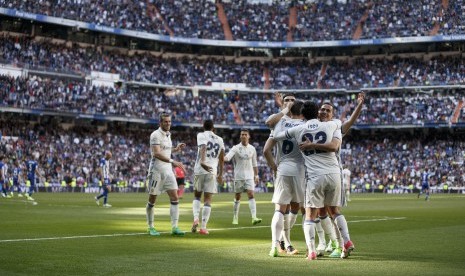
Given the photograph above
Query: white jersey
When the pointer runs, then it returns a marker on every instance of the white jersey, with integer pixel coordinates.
(346, 177)
(162, 139)
(214, 144)
(244, 159)
(288, 154)
(316, 162)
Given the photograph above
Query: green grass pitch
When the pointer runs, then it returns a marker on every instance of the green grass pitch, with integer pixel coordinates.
(67, 234)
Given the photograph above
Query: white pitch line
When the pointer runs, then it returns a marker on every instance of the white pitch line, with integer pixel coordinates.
(138, 234)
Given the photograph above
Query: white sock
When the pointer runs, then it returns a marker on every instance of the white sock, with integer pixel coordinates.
(276, 227)
(339, 239)
(196, 208)
(328, 228)
(309, 232)
(320, 232)
(253, 208)
(174, 213)
(150, 214)
(341, 223)
(205, 215)
(287, 231)
(237, 204)
(292, 219)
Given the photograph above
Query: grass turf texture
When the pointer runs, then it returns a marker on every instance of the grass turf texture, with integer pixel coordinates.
(68, 234)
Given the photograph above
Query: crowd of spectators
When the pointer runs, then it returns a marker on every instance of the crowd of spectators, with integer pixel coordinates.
(383, 108)
(318, 20)
(377, 158)
(398, 159)
(400, 19)
(67, 153)
(52, 94)
(353, 73)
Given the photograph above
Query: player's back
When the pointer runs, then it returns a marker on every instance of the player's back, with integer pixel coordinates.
(318, 162)
(288, 152)
(214, 144)
(31, 166)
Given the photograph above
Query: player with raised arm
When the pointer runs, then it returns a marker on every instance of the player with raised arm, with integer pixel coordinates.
(105, 177)
(208, 172)
(288, 182)
(244, 158)
(323, 185)
(336, 244)
(160, 175)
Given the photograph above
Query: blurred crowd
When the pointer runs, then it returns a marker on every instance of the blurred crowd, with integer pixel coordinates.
(381, 158)
(232, 108)
(316, 20)
(350, 73)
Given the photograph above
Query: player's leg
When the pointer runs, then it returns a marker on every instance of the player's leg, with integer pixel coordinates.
(174, 212)
(207, 199)
(277, 225)
(196, 202)
(238, 187)
(154, 184)
(253, 207)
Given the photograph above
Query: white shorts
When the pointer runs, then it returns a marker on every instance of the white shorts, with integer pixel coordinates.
(288, 189)
(243, 185)
(159, 182)
(323, 190)
(205, 183)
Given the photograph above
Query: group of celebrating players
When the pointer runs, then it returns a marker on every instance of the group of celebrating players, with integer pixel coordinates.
(307, 167)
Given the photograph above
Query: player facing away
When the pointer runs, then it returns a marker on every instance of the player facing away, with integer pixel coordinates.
(323, 186)
(425, 175)
(160, 175)
(244, 158)
(32, 169)
(16, 177)
(288, 182)
(105, 177)
(208, 172)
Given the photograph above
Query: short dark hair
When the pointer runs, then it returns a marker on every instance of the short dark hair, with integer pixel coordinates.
(208, 125)
(310, 110)
(296, 108)
(288, 95)
(330, 104)
(245, 130)
(164, 115)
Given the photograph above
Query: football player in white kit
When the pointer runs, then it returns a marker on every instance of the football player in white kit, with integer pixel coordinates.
(210, 156)
(346, 182)
(244, 157)
(289, 178)
(161, 176)
(323, 173)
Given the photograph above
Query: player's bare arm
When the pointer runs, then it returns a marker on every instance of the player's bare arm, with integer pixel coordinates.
(219, 177)
(332, 146)
(179, 147)
(156, 152)
(270, 143)
(348, 124)
(203, 153)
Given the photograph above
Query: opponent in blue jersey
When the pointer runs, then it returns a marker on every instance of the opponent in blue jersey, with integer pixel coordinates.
(16, 176)
(3, 176)
(31, 170)
(425, 175)
(105, 177)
